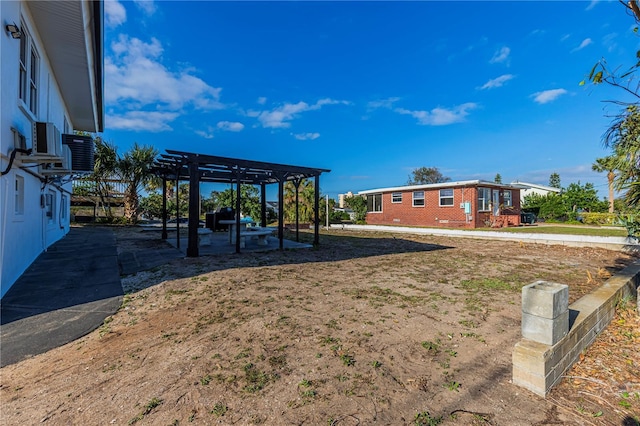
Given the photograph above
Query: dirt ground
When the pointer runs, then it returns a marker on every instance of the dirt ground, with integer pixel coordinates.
(369, 328)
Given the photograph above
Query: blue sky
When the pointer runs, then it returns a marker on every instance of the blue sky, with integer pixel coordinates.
(370, 90)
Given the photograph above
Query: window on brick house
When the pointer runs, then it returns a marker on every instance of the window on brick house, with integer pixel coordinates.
(506, 198)
(446, 197)
(484, 199)
(374, 203)
(418, 198)
(396, 197)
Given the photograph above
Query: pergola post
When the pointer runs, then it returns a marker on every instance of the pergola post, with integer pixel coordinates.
(281, 211)
(296, 183)
(316, 205)
(194, 213)
(164, 207)
(238, 175)
(263, 205)
(177, 211)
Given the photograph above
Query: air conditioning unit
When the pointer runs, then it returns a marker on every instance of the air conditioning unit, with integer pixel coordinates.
(47, 141)
(58, 168)
(82, 152)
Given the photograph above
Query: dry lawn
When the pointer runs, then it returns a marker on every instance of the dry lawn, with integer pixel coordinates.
(369, 328)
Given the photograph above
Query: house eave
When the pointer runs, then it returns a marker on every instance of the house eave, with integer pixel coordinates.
(72, 35)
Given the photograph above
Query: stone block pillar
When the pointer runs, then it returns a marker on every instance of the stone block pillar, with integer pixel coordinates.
(545, 312)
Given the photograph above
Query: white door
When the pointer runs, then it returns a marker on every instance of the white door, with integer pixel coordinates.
(496, 202)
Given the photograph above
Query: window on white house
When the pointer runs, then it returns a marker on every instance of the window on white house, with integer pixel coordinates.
(19, 196)
(484, 199)
(446, 197)
(50, 206)
(374, 203)
(396, 197)
(63, 207)
(506, 198)
(29, 66)
(418, 198)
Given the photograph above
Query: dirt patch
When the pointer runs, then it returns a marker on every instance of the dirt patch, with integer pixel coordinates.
(369, 328)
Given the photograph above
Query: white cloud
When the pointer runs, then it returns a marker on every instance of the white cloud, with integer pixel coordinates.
(500, 56)
(207, 134)
(586, 42)
(592, 4)
(114, 13)
(440, 116)
(497, 82)
(547, 96)
(151, 121)
(147, 6)
(230, 126)
(262, 100)
(281, 116)
(136, 79)
(383, 103)
(306, 136)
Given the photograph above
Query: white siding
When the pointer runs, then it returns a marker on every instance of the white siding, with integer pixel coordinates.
(24, 237)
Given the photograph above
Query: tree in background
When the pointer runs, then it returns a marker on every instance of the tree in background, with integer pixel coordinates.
(249, 200)
(554, 180)
(151, 205)
(104, 169)
(623, 136)
(134, 168)
(607, 164)
(568, 205)
(426, 175)
(358, 204)
(306, 201)
(498, 178)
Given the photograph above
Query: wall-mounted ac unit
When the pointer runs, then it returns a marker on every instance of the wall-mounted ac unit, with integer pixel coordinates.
(46, 141)
(82, 152)
(62, 167)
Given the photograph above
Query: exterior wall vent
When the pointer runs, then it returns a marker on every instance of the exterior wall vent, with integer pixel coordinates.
(82, 152)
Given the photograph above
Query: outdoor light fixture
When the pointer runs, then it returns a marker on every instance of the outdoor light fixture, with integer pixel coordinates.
(14, 30)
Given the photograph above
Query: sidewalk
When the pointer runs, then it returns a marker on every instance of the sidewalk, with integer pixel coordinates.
(67, 292)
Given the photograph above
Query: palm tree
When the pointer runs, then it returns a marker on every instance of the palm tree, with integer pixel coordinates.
(306, 192)
(104, 169)
(607, 164)
(624, 138)
(135, 169)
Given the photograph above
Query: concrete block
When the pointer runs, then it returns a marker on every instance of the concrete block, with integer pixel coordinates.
(544, 330)
(545, 299)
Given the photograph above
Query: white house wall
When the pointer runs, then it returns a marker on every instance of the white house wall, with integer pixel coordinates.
(24, 236)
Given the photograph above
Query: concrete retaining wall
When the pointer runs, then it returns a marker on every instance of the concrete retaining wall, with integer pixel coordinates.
(538, 367)
(611, 243)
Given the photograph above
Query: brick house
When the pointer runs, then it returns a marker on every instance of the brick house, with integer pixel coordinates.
(465, 204)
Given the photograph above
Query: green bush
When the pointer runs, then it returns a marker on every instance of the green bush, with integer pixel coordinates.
(599, 218)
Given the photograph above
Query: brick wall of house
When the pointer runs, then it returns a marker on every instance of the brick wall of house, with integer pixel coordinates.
(434, 215)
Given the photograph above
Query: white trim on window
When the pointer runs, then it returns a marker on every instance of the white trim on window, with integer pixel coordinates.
(507, 199)
(418, 199)
(19, 196)
(29, 73)
(484, 199)
(396, 197)
(374, 203)
(446, 197)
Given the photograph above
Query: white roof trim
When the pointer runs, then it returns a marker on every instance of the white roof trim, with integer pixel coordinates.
(438, 186)
(526, 185)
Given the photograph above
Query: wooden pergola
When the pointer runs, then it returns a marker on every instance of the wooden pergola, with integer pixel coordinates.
(196, 168)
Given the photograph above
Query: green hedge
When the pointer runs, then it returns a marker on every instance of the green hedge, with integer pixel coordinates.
(599, 218)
